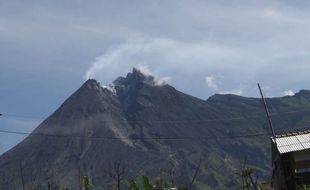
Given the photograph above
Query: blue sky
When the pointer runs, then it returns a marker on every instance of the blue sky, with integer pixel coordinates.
(49, 48)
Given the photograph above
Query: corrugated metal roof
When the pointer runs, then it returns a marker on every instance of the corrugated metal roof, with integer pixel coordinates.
(292, 142)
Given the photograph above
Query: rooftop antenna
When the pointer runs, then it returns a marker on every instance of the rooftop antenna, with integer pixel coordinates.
(268, 114)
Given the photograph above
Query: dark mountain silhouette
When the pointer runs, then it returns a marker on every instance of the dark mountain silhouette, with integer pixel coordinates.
(150, 128)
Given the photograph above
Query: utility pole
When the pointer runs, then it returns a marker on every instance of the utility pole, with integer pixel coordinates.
(268, 114)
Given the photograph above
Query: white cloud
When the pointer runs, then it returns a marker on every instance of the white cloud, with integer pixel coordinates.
(285, 17)
(211, 83)
(238, 92)
(215, 82)
(288, 93)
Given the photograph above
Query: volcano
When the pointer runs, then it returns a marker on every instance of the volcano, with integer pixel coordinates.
(149, 129)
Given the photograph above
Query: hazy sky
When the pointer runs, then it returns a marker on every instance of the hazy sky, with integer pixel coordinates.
(48, 49)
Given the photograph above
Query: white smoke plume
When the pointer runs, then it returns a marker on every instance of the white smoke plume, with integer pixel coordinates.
(167, 59)
(140, 54)
(159, 81)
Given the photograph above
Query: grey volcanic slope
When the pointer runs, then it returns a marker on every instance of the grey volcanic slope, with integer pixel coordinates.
(150, 129)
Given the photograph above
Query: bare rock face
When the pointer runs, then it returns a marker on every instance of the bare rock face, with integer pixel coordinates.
(149, 128)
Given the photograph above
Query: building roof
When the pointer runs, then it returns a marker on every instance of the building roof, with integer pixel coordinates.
(292, 142)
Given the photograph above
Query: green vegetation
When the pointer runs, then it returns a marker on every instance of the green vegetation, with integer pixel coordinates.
(303, 187)
(85, 183)
(146, 185)
(248, 179)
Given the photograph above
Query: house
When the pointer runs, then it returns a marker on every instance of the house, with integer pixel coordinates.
(291, 160)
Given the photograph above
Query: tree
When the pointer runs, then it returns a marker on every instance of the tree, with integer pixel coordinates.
(85, 183)
(196, 173)
(249, 181)
(117, 173)
(145, 183)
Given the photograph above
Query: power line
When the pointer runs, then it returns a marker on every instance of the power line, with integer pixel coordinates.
(145, 138)
(131, 138)
(244, 117)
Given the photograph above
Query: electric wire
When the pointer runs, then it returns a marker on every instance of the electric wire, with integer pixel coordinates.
(245, 117)
(226, 136)
(129, 138)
